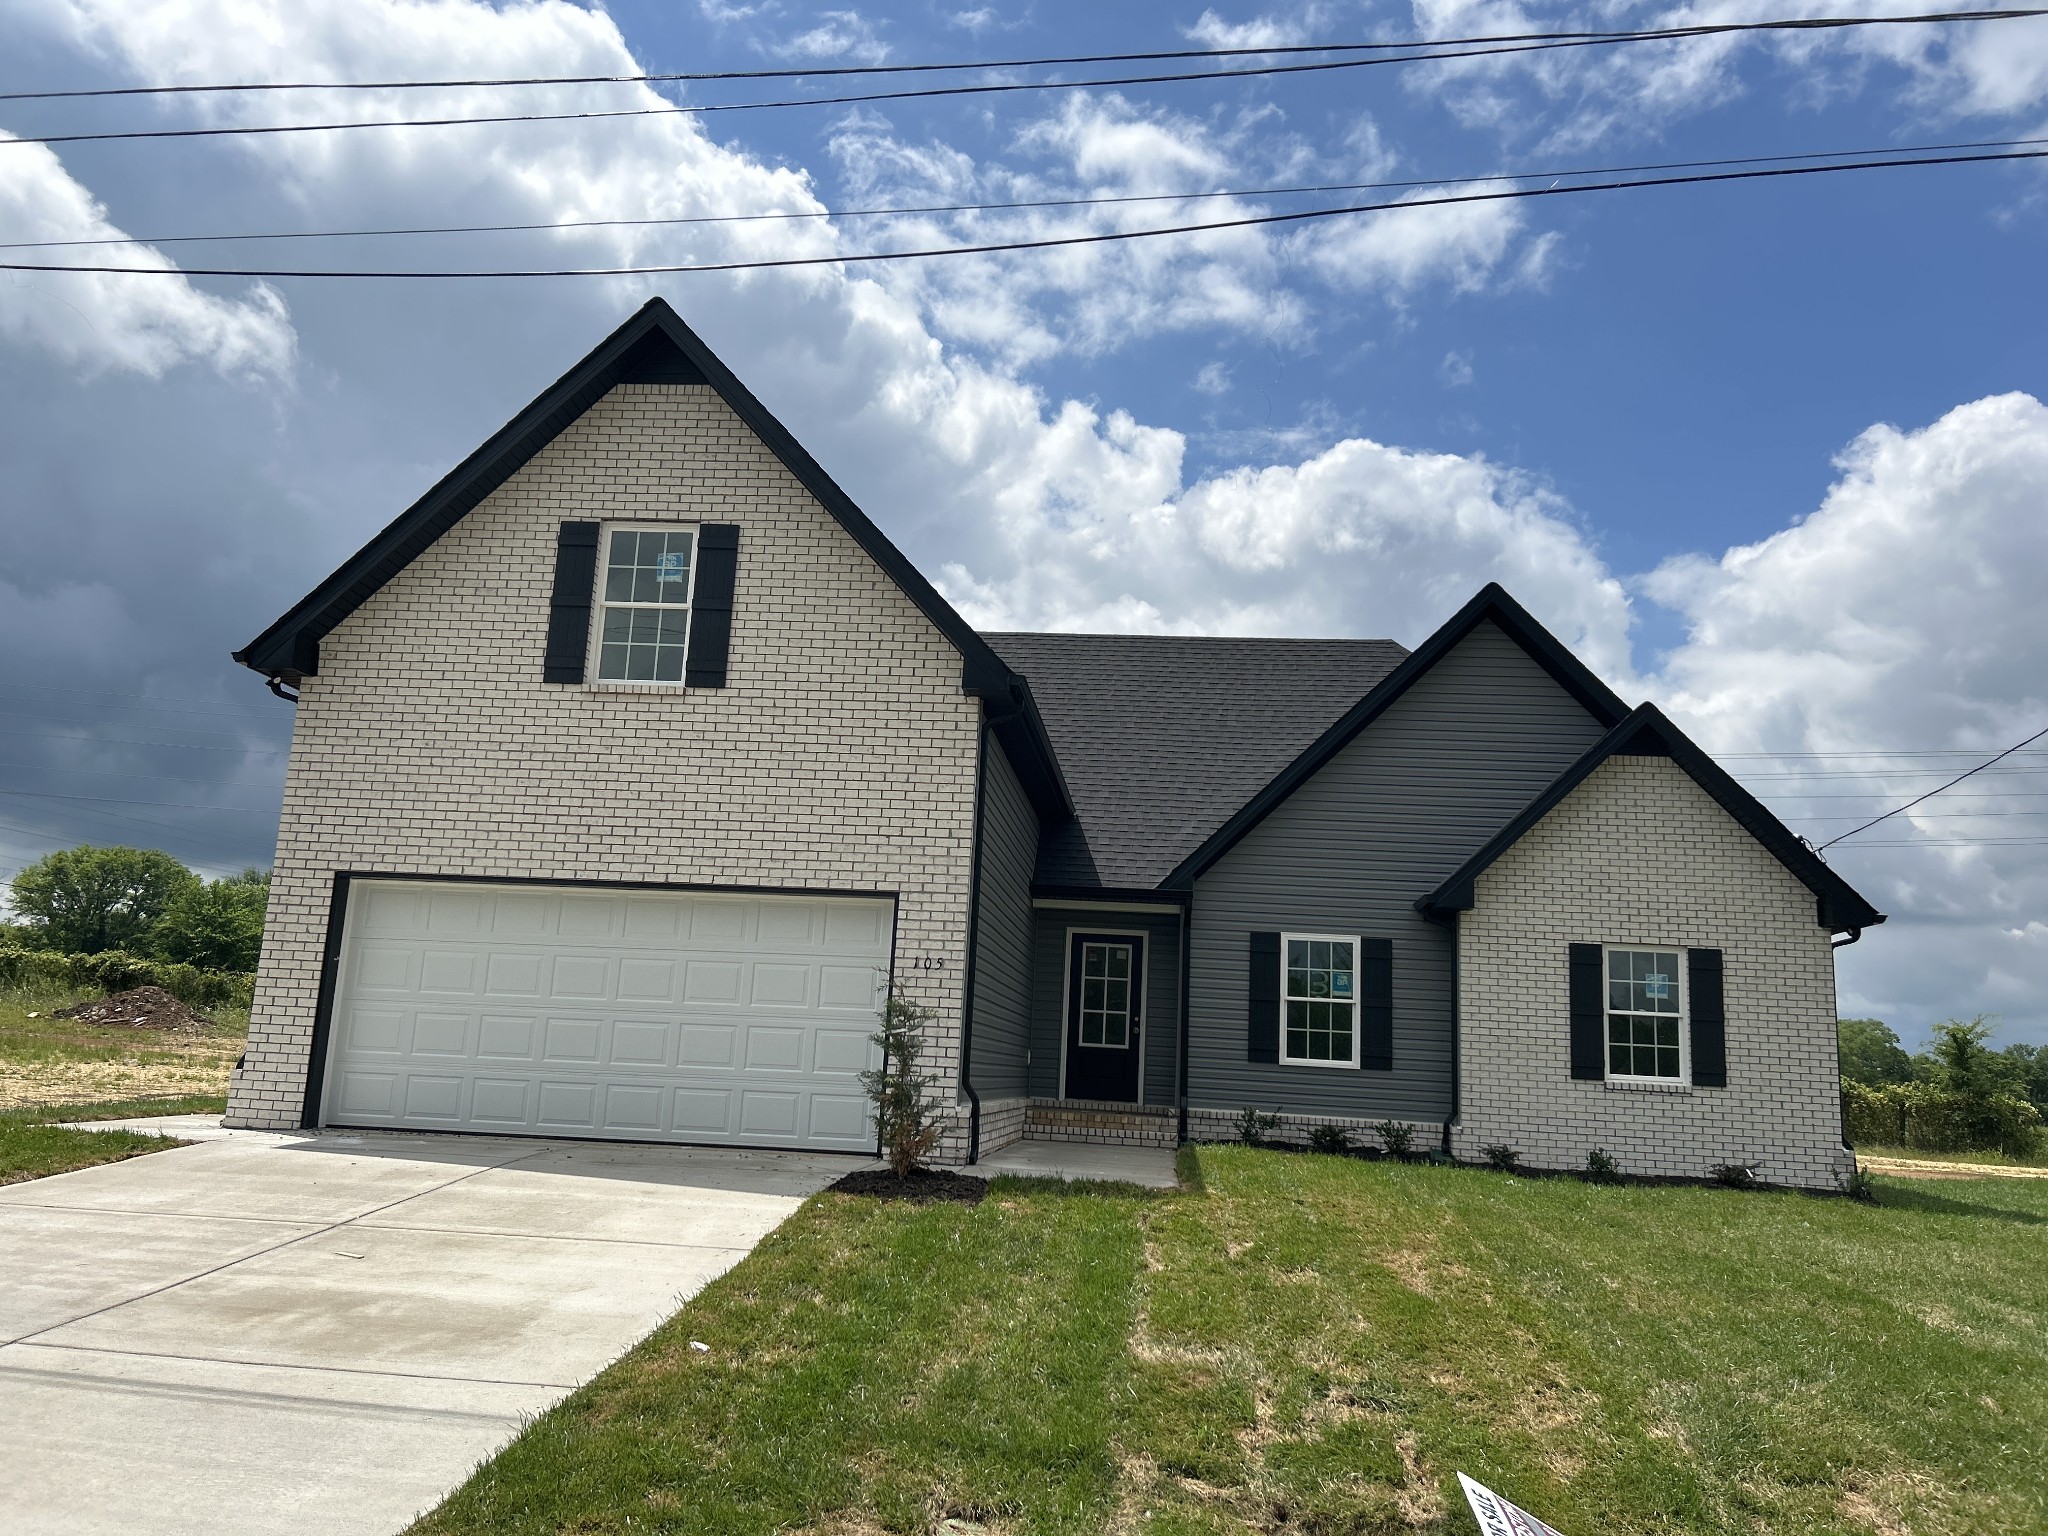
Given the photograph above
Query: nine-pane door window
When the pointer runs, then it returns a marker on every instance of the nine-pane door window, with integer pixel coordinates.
(645, 594)
(1643, 1014)
(1106, 995)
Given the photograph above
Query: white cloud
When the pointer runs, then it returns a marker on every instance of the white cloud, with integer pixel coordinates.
(1269, 31)
(1902, 616)
(1212, 379)
(96, 321)
(841, 36)
(1455, 370)
(1578, 96)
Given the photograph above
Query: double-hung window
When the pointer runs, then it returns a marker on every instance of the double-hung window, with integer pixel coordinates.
(1645, 1015)
(644, 597)
(1319, 999)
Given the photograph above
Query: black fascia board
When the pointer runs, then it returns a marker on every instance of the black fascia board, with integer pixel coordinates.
(289, 649)
(1085, 895)
(1838, 906)
(1492, 601)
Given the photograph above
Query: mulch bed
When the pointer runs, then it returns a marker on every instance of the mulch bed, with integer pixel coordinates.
(139, 1008)
(924, 1186)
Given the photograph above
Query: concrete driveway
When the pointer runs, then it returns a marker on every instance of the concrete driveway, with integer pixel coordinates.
(325, 1334)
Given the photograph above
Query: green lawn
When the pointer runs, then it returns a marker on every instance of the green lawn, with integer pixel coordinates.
(1316, 1345)
(33, 1145)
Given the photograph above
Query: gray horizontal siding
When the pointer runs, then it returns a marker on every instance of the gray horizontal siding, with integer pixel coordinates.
(1160, 1022)
(1001, 997)
(1422, 787)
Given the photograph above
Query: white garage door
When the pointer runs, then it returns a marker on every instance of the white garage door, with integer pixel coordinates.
(642, 1015)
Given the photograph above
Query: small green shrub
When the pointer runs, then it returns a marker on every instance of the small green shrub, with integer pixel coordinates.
(1398, 1139)
(907, 1110)
(1733, 1175)
(1602, 1168)
(1860, 1186)
(1502, 1159)
(1333, 1139)
(1253, 1126)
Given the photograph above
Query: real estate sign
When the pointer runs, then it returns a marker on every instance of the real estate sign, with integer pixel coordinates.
(1497, 1517)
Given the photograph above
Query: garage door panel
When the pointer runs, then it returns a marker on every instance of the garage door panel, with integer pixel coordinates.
(647, 981)
(507, 1037)
(663, 1015)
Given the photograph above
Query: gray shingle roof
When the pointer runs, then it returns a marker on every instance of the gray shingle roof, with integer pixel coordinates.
(1163, 737)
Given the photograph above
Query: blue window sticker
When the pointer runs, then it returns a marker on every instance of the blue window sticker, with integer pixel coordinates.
(1340, 984)
(1657, 985)
(673, 566)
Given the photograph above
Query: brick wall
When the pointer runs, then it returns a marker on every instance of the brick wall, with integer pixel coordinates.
(1639, 854)
(840, 756)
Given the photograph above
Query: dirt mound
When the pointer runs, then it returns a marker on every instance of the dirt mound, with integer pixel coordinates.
(139, 1008)
(923, 1187)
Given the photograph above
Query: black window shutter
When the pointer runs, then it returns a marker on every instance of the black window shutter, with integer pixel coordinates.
(1376, 1005)
(1262, 1025)
(1709, 1018)
(718, 564)
(1589, 1039)
(569, 608)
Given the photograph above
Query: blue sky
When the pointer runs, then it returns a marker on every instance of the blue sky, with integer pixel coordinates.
(1771, 454)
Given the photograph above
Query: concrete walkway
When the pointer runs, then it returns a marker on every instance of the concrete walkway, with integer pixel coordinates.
(261, 1334)
(1151, 1167)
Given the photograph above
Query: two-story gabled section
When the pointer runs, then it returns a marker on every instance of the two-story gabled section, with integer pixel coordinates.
(634, 767)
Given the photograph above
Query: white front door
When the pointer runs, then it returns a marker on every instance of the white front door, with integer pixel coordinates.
(644, 1015)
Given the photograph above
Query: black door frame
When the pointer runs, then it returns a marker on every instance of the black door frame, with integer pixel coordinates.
(1138, 940)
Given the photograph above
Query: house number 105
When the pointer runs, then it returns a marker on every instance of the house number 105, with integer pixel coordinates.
(927, 963)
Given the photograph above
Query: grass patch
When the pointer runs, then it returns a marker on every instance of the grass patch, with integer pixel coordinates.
(51, 1061)
(1316, 1345)
(33, 1145)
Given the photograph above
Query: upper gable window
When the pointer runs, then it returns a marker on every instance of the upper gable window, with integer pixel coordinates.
(644, 582)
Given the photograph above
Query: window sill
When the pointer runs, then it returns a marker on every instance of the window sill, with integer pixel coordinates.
(1645, 1085)
(621, 687)
(1341, 1066)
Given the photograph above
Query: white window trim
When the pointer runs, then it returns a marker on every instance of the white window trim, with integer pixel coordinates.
(595, 641)
(1357, 956)
(1682, 982)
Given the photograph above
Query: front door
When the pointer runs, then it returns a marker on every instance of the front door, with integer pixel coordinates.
(1104, 1011)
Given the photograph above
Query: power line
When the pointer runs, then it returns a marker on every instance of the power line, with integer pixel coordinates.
(1046, 243)
(1951, 784)
(122, 773)
(1037, 203)
(1816, 23)
(134, 741)
(1433, 53)
(169, 805)
(219, 704)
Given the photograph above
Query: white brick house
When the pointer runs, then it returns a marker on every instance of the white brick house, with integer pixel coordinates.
(633, 765)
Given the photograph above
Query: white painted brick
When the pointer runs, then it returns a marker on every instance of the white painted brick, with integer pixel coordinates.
(1639, 854)
(840, 756)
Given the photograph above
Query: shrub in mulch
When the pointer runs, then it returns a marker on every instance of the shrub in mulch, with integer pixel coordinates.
(921, 1186)
(139, 1008)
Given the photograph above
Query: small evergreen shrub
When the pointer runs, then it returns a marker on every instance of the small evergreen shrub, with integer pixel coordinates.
(1502, 1159)
(1252, 1126)
(1398, 1139)
(1860, 1186)
(907, 1110)
(1333, 1139)
(1601, 1168)
(1733, 1175)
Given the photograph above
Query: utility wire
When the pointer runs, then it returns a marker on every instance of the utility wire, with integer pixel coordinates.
(1051, 242)
(1814, 23)
(1038, 203)
(1951, 784)
(1431, 54)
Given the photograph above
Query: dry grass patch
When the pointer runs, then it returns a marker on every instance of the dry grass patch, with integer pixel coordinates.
(47, 1061)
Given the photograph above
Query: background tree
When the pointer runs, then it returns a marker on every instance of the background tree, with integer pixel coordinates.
(1871, 1052)
(217, 925)
(86, 900)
